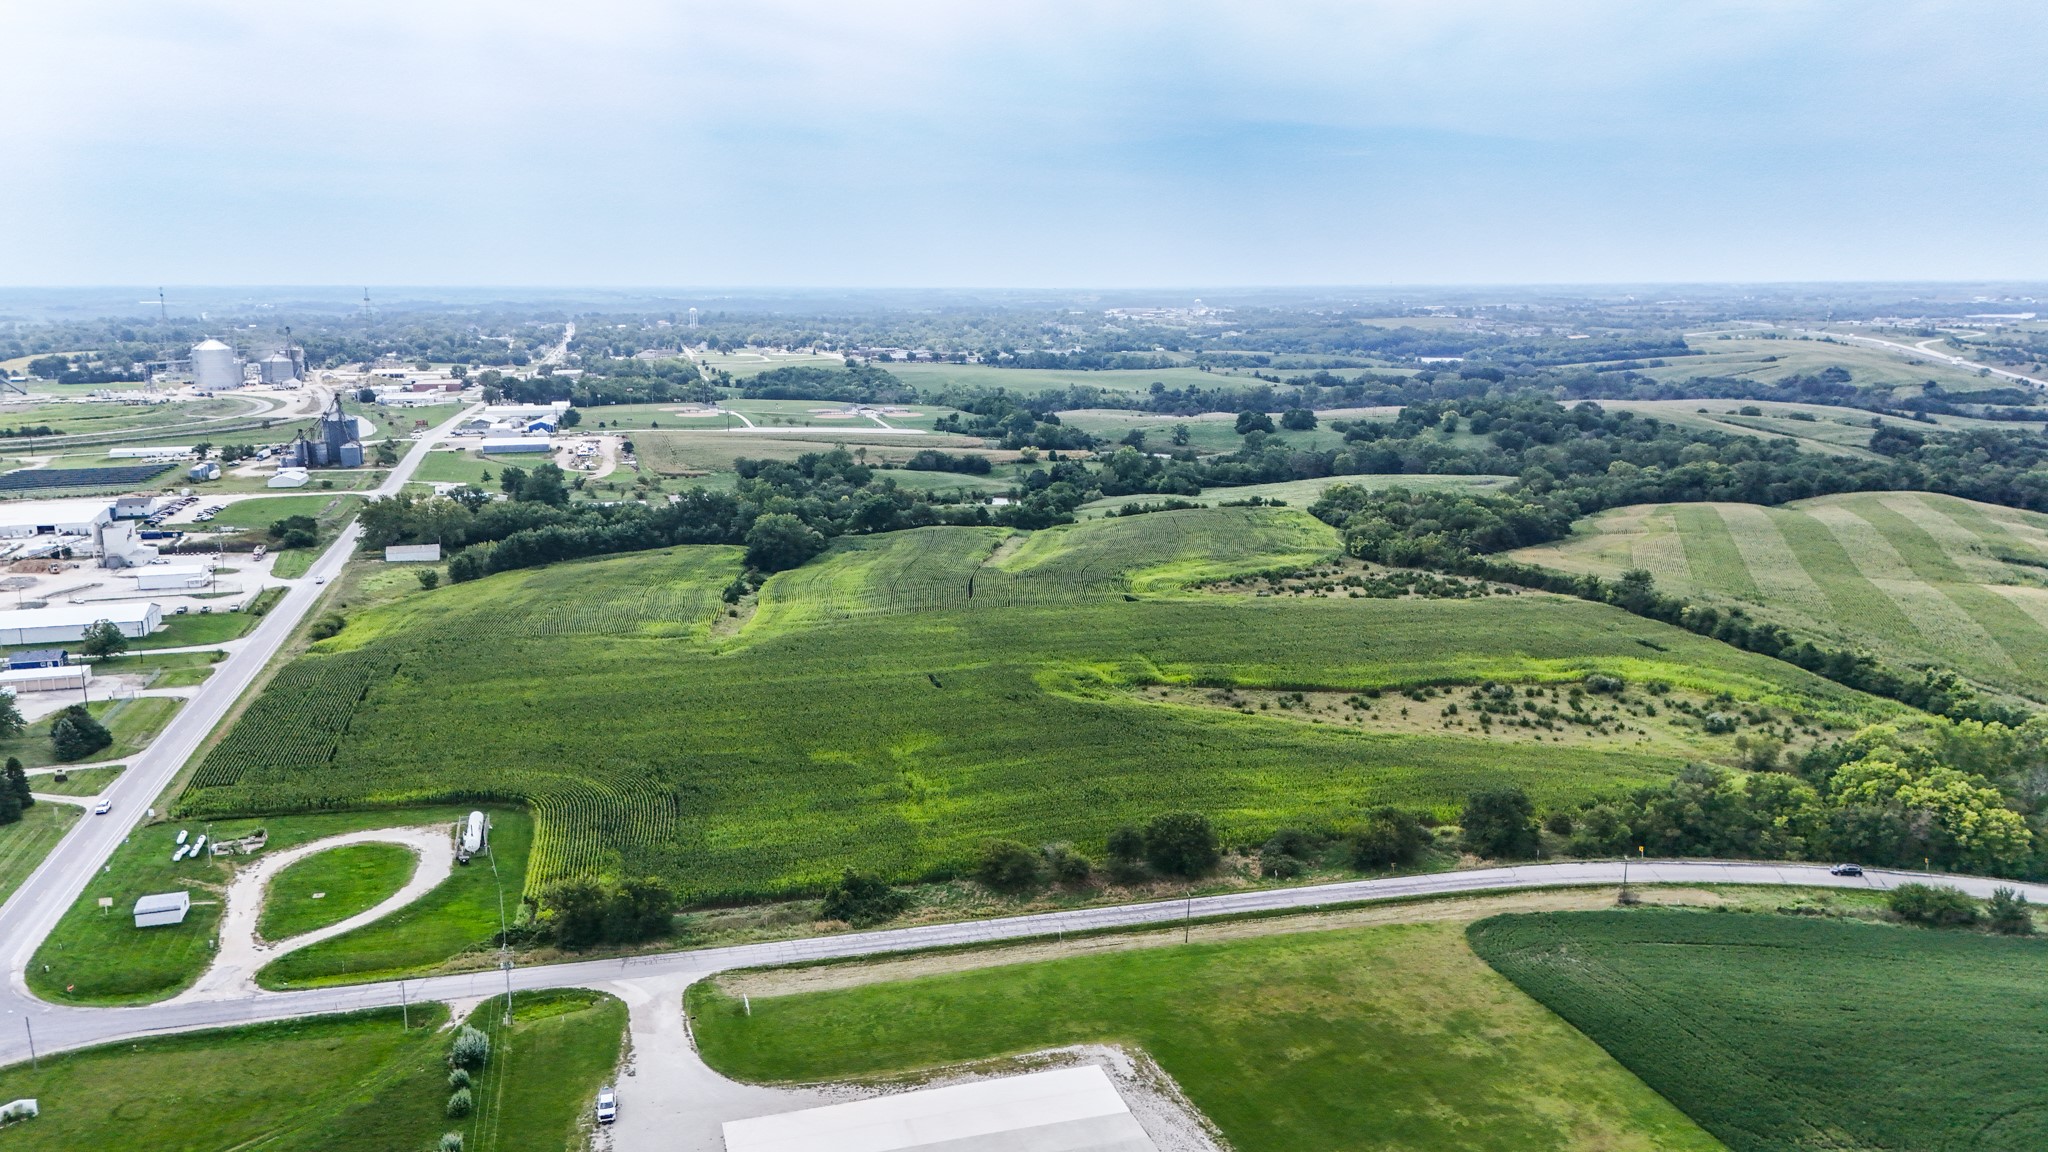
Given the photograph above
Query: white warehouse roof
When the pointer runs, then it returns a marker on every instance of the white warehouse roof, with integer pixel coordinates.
(1066, 1110)
(32, 513)
(516, 444)
(131, 613)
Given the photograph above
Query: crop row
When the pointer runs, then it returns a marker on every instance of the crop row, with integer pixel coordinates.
(298, 721)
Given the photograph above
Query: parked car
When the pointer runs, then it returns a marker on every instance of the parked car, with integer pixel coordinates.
(103, 807)
(1846, 870)
(607, 1106)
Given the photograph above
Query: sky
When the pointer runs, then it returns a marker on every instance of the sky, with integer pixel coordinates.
(1019, 144)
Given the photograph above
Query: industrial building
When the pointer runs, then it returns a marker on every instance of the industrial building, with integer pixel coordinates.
(162, 909)
(1065, 1110)
(280, 368)
(170, 577)
(335, 443)
(67, 678)
(215, 367)
(66, 623)
(506, 445)
(289, 478)
(121, 546)
(38, 658)
(53, 517)
(133, 507)
(202, 471)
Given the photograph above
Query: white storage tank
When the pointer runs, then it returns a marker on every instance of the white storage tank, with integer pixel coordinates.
(278, 368)
(215, 367)
(473, 832)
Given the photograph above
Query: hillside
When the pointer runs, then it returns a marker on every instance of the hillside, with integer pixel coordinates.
(1915, 577)
(902, 699)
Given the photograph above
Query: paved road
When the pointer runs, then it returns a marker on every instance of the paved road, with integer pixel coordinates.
(1921, 351)
(35, 907)
(58, 1027)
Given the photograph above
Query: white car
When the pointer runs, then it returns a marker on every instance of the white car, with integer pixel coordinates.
(320, 580)
(103, 807)
(607, 1106)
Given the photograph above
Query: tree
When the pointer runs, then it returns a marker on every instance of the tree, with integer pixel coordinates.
(48, 367)
(571, 417)
(1501, 824)
(1181, 843)
(470, 1049)
(1389, 837)
(1253, 421)
(779, 541)
(11, 723)
(1007, 866)
(1298, 420)
(10, 807)
(429, 578)
(17, 784)
(387, 453)
(2009, 914)
(544, 485)
(1181, 436)
(1126, 850)
(295, 532)
(76, 734)
(103, 638)
(509, 481)
(1936, 905)
(861, 899)
(202, 448)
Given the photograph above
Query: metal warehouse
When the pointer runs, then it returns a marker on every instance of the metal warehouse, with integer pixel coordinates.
(66, 623)
(1067, 1110)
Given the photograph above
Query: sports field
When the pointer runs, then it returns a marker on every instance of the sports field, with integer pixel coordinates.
(902, 699)
(1912, 576)
(1286, 1042)
(1776, 1032)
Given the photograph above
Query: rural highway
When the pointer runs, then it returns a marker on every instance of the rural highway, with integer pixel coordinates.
(35, 907)
(1922, 352)
(62, 1027)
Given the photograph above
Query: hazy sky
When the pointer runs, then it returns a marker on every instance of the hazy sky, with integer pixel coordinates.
(998, 144)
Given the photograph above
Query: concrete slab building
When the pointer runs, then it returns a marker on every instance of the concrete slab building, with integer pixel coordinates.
(1064, 1110)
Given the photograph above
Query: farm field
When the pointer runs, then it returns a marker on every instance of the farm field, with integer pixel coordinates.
(1832, 430)
(96, 957)
(329, 887)
(356, 1083)
(601, 694)
(674, 453)
(1208, 432)
(1031, 381)
(1302, 493)
(24, 843)
(1753, 359)
(1284, 1042)
(1912, 576)
(133, 723)
(1776, 1032)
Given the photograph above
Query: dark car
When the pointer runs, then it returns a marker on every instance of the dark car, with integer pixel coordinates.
(1846, 870)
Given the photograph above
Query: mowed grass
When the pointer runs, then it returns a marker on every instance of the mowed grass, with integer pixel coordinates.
(899, 701)
(329, 887)
(133, 723)
(1777, 1032)
(263, 511)
(356, 1083)
(1393, 1037)
(77, 781)
(24, 843)
(97, 956)
(1916, 577)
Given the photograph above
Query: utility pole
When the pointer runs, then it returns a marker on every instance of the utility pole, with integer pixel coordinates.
(404, 1009)
(33, 1063)
(1187, 919)
(504, 939)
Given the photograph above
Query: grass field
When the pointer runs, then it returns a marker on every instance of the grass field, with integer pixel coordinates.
(675, 452)
(262, 511)
(357, 1083)
(1832, 430)
(1208, 432)
(1310, 1040)
(1913, 576)
(1031, 381)
(1777, 1032)
(78, 782)
(133, 723)
(329, 887)
(1773, 360)
(24, 843)
(1302, 493)
(652, 733)
(196, 628)
(100, 957)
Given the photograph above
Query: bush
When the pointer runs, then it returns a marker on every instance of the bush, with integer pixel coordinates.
(1559, 823)
(470, 1049)
(75, 734)
(1298, 420)
(1066, 865)
(330, 624)
(1007, 866)
(581, 913)
(1936, 905)
(861, 898)
(458, 1079)
(1604, 685)
(1280, 866)
(1501, 825)
(1181, 844)
(2009, 913)
(1285, 855)
(459, 1104)
(1126, 845)
(430, 578)
(1388, 838)
(451, 1142)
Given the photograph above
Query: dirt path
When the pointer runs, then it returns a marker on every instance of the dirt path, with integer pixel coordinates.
(242, 953)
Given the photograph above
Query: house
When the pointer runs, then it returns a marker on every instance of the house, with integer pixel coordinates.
(164, 908)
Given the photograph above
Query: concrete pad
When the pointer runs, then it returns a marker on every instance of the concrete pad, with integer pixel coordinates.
(1064, 1110)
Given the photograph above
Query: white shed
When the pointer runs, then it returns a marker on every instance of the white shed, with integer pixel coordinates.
(412, 554)
(288, 478)
(162, 908)
(174, 577)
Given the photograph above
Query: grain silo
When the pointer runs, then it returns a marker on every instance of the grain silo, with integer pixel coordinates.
(279, 368)
(215, 368)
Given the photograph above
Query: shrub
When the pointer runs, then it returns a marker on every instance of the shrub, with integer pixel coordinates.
(470, 1049)
(2009, 914)
(862, 898)
(458, 1079)
(1389, 837)
(451, 1142)
(1181, 843)
(1604, 684)
(75, 734)
(1126, 845)
(1936, 905)
(1285, 855)
(1280, 866)
(1007, 866)
(581, 913)
(1501, 824)
(330, 624)
(1066, 865)
(430, 578)
(1559, 823)
(459, 1104)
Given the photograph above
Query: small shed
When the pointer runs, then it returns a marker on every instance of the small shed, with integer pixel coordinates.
(38, 658)
(162, 909)
(412, 554)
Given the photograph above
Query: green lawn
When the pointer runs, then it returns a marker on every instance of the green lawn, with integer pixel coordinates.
(133, 723)
(1777, 1032)
(1393, 1037)
(24, 843)
(329, 887)
(355, 1083)
(998, 698)
(1915, 577)
(78, 782)
(195, 628)
(96, 957)
(263, 511)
